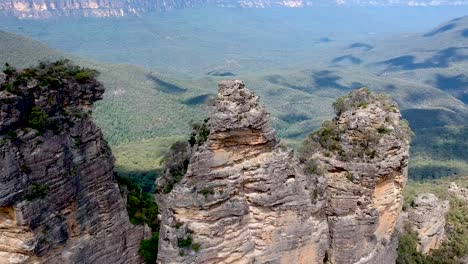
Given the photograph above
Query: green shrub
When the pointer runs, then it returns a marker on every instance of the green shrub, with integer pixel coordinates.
(25, 168)
(200, 133)
(407, 248)
(36, 191)
(11, 88)
(339, 105)
(12, 135)
(37, 118)
(312, 167)
(384, 130)
(362, 104)
(149, 249)
(9, 70)
(185, 242)
(196, 247)
(84, 76)
(207, 191)
(140, 205)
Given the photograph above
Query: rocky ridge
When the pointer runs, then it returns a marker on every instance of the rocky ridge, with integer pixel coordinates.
(364, 154)
(59, 202)
(459, 192)
(245, 198)
(427, 217)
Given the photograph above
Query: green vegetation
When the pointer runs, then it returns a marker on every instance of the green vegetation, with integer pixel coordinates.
(384, 130)
(8, 69)
(142, 210)
(12, 135)
(176, 160)
(176, 163)
(25, 169)
(407, 252)
(149, 249)
(36, 191)
(37, 118)
(200, 133)
(207, 191)
(140, 205)
(84, 76)
(187, 243)
(456, 247)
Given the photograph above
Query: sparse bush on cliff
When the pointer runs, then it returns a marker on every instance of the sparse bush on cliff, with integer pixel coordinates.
(176, 160)
(37, 119)
(36, 191)
(407, 248)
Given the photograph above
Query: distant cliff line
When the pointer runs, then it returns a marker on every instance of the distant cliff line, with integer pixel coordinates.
(43, 9)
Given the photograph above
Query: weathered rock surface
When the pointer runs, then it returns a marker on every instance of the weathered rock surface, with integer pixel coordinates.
(459, 192)
(427, 218)
(364, 155)
(59, 202)
(245, 198)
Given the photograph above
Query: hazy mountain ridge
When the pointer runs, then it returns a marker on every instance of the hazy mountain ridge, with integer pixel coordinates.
(119, 8)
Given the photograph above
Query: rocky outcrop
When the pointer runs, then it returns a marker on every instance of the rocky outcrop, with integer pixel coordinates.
(364, 154)
(459, 192)
(59, 202)
(245, 197)
(427, 217)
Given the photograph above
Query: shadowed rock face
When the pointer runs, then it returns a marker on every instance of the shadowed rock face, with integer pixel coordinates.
(427, 217)
(245, 198)
(59, 202)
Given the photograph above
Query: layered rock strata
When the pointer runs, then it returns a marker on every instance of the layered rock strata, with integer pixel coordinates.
(59, 201)
(245, 197)
(427, 217)
(364, 154)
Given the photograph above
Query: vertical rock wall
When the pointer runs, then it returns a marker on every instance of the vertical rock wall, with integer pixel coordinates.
(59, 202)
(244, 199)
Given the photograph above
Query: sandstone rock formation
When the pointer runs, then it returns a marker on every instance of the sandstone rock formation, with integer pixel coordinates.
(427, 218)
(245, 198)
(59, 202)
(364, 155)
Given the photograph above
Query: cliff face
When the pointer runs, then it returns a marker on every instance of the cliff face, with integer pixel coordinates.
(59, 202)
(244, 199)
(86, 8)
(116, 8)
(364, 154)
(427, 218)
(247, 199)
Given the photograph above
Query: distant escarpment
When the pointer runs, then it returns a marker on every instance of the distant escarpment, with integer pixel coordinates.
(234, 194)
(119, 8)
(59, 202)
(80, 8)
